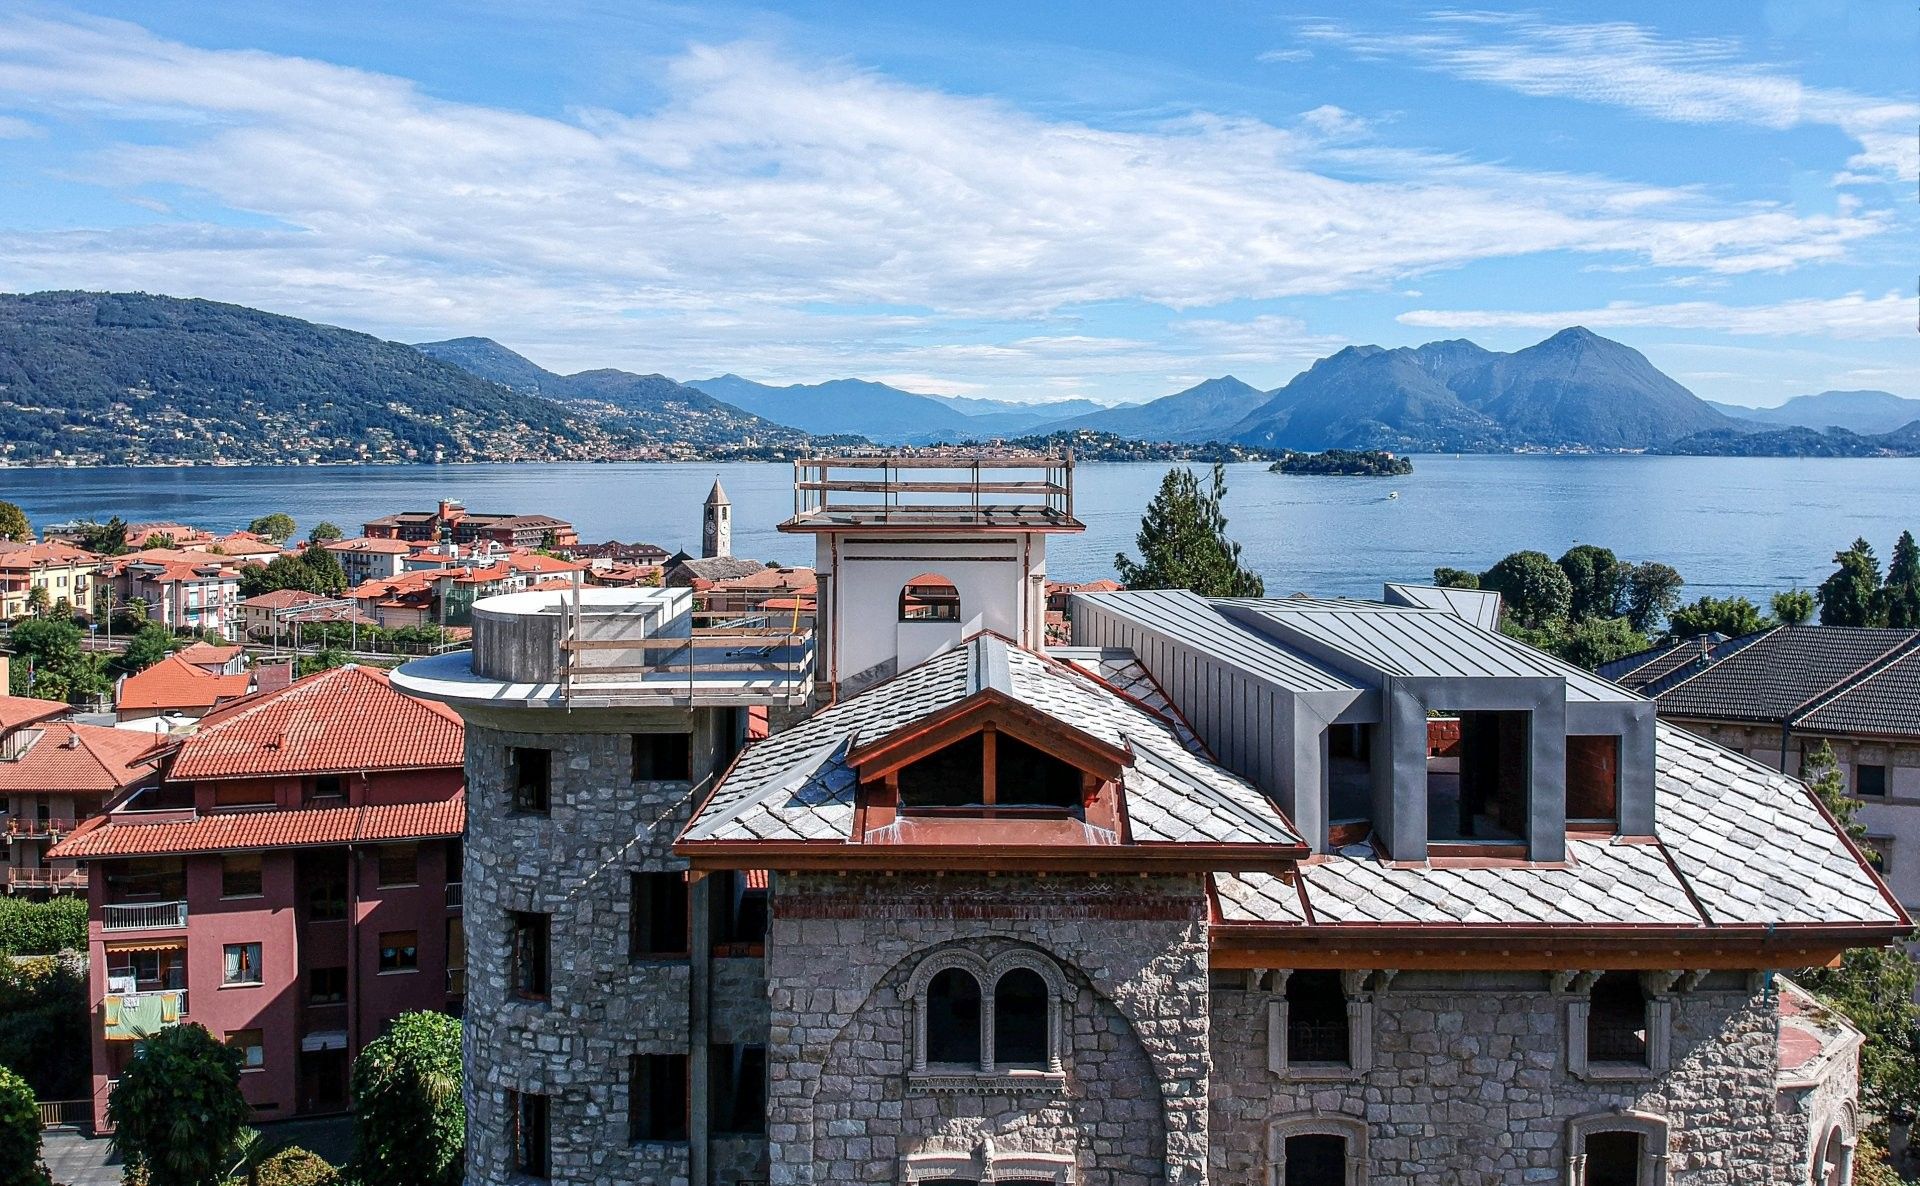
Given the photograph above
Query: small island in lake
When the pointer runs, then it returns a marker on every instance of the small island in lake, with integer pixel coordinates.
(1369, 463)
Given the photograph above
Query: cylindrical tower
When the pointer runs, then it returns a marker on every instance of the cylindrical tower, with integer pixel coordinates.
(597, 719)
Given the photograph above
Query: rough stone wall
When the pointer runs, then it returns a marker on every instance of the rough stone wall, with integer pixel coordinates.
(603, 1008)
(841, 950)
(1470, 1086)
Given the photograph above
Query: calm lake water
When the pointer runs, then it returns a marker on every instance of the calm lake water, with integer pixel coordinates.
(1730, 525)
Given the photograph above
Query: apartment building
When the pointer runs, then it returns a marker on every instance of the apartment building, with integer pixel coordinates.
(1295, 892)
(55, 774)
(290, 880)
(60, 572)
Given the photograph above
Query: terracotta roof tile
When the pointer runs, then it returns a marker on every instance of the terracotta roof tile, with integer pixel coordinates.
(105, 836)
(178, 682)
(16, 711)
(90, 758)
(349, 718)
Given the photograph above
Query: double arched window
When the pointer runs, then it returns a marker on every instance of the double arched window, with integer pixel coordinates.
(974, 1017)
(1619, 1148)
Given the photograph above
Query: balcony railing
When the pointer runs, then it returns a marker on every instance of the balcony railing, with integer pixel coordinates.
(1317, 1041)
(29, 828)
(455, 897)
(144, 916)
(456, 982)
(74, 880)
(65, 1113)
(1617, 1042)
(134, 1014)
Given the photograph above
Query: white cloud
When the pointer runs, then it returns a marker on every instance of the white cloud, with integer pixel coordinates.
(1856, 316)
(1702, 80)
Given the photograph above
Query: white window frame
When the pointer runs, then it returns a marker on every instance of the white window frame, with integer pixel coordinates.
(1351, 1129)
(987, 1076)
(1354, 983)
(1653, 1130)
(1577, 988)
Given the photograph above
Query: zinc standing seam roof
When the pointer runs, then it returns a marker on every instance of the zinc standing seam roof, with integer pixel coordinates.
(1193, 621)
(796, 785)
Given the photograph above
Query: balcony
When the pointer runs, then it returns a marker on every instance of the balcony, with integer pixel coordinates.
(143, 916)
(455, 897)
(27, 828)
(135, 1014)
(57, 880)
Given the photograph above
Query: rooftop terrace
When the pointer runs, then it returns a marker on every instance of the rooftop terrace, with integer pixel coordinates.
(933, 493)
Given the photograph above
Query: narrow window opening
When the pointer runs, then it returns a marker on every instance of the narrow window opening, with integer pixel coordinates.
(240, 875)
(659, 915)
(1593, 780)
(1617, 1020)
(658, 1098)
(950, 777)
(740, 913)
(1349, 773)
(1613, 1158)
(1317, 1029)
(527, 1116)
(1027, 777)
(399, 951)
(530, 779)
(1316, 1159)
(953, 1018)
(1020, 1020)
(399, 865)
(737, 1076)
(1870, 781)
(529, 954)
(662, 757)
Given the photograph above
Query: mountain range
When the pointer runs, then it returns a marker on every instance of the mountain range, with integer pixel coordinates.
(131, 378)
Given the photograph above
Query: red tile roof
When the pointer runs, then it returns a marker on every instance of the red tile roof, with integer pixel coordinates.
(16, 711)
(348, 718)
(203, 654)
(281, 599)
(88, 758)
(107, 836)
(178, 682)
(17, 555)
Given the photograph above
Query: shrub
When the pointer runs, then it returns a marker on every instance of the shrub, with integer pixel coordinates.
(294, 1166)
(19, 1133)
(42, 928)
(43, 1022)
(177, 1108)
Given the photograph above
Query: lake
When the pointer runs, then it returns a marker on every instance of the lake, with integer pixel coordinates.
(1730, 525)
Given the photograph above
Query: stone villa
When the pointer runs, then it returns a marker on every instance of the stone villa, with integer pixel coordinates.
(1287, 892)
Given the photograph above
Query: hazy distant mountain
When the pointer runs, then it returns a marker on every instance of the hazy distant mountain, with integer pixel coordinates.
(1576, 389)
(652, 405)
(1053, 410)
(873, 410)
(1864, 412)
(1799, 441)
(1204, 412)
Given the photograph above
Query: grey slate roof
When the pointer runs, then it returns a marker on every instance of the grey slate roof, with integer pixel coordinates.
(1777, 673)
(1745, 841)
(796, 785)
(1126, 674)
(718, 568)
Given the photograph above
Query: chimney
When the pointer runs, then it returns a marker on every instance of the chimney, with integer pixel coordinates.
(271, 677)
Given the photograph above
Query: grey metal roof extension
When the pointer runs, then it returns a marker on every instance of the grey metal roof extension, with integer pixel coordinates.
(796, 785)
(1191, 619)
(1745, 843)
(1479, 606)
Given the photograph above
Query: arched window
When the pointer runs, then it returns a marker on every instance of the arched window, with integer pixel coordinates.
(1021, 1019)
(1622, 1148)
(929, 597)
(953, 1018)
(964, 1043)
(1318, 1149)
(1833, 1151)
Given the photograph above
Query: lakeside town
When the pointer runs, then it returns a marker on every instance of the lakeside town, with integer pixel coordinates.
(237, 768)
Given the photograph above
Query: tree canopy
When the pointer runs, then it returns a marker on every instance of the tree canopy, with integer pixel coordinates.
(1731, 616)
(149, 644)
(1898, 601)
(410, 1121)
(1847, 597)
(314, 570)
(177, 1109)
(13, 524)
(325, 532)
(1183, 541)
(1794, 607)
(1533, 590)
(274, 528)
(49, 661)
(19, 1133)
(1597, 577)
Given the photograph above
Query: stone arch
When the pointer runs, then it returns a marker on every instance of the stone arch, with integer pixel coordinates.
(1651, 1128)
(866, 1085)
(1350, 1129)
(1832, 1143)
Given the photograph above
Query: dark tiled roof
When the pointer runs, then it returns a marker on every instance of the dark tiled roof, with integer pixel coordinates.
(1887, 700)
(1779, 672)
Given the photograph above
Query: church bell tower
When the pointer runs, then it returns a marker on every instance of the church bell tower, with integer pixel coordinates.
(716, 524)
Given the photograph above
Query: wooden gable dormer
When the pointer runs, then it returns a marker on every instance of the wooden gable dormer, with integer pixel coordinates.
(990, 767)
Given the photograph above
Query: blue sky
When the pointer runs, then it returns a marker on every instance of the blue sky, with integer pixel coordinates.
(1028, 201)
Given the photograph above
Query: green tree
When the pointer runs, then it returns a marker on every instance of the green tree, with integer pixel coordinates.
(150, 644)
(50, 649)
(321, 660)
(38, 601)
(1592, 641)
(1731, 616)
(1898, 601)
(43, 1021)
(1652, 589)
(105, 539)
(410, 1121)
(19, 1134)
(1873, 986)
(325, 567)
(1597, 577)
(159, 539)
(1793, 607)
(30, 927)
(324, 532)
(274, 528)
(1456, 578)
(177, 1108)
(1533, 590)
(1847, 597)
(1183, 541)
(14, 525)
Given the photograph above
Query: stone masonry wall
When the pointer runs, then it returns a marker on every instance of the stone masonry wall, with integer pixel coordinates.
(604, 1008)
(1470, 1086)
(841, 950)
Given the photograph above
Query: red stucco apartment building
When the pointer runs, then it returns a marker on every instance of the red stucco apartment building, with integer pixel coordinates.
(291, 883)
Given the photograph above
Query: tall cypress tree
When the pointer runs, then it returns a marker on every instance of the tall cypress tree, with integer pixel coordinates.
(1898, 603)
(1847, 598)
(1183, 542)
